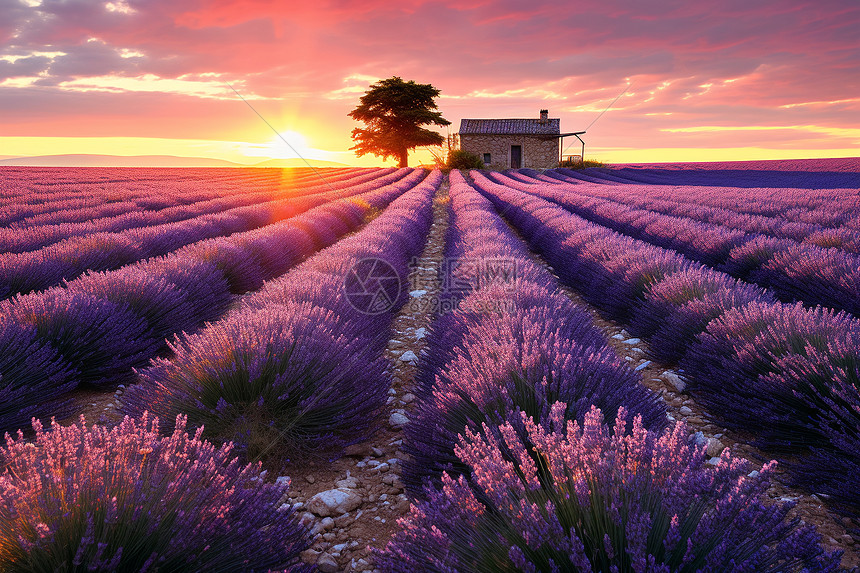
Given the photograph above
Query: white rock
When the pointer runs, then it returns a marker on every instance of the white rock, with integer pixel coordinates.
(282, 480)
(685, 411)
(420, 332)
(645, 364)
(334, 502)
(398, 420)
(348, 483)
(632, 341)
(327, 564)
(310, 556)
(715, 447)
(408, 397)
(417, 293)
(753, 474)
(618, 336)
(675, 380)
(713, 461)
(408, 356)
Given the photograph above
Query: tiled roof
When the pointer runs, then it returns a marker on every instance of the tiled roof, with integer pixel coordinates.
(510, 126)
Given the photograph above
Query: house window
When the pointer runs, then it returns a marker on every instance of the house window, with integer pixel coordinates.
(487, 159)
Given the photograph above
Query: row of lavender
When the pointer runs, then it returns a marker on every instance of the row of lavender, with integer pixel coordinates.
(299, 367)
(824, 187)
(27, 193)
(787, 373)
(49, 266)
(286, 366)
(30, 194)
(35, 232)
(793, 271)
(826, 225)
(511, 465)
(96, 328)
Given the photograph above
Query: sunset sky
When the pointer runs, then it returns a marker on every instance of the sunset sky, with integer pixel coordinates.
(739, 79)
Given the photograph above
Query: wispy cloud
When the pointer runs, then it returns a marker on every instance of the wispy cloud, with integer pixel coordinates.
(703, 75)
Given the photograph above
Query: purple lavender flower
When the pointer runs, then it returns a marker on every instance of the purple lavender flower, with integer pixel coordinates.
(33, 376)
(274, 380)
(126, 499)
(101, 339)
(590, 497)
(741, 367)
(241, 269)
(165, 307)
(497, 365)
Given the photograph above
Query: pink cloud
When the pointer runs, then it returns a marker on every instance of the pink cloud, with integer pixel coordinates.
(742, 63)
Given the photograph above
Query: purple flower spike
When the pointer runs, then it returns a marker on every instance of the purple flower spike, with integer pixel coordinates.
(592, 497)
(127, 499)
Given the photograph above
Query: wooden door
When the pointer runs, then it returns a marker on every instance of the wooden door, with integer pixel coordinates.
(516, 156)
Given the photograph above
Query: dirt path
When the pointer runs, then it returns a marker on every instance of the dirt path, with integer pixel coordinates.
(371, 471)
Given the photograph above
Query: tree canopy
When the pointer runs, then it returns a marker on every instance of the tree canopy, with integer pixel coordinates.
(394, 112)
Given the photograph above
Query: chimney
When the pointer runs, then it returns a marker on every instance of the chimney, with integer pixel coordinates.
(544, 116)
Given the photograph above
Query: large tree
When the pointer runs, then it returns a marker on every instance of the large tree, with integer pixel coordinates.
(394, 111)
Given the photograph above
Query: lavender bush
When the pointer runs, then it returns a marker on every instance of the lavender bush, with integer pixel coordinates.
(672, 340)
(665, 297)
(202, 283)
(588, 498)
(165, 307)
(101, 339)
(32, 375)
(521, 362)
(126, 499)
(279, 380)
(742, 367)
(830, 380)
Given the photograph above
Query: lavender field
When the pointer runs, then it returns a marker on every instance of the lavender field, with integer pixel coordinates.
(635, 368)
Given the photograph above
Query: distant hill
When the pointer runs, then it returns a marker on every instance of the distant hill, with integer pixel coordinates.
(83, 160)
(299, 163)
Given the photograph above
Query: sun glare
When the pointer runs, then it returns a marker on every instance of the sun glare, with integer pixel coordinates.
(285, 145)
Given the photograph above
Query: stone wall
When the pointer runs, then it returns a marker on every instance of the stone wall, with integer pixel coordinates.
(537, 153)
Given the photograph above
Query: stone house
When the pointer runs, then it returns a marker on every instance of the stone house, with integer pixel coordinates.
(513, 143)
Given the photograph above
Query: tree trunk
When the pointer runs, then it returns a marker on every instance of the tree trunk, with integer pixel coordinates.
(403, 160)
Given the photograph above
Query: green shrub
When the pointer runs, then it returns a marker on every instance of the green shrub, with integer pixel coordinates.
(581, 164)
(461, 159)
